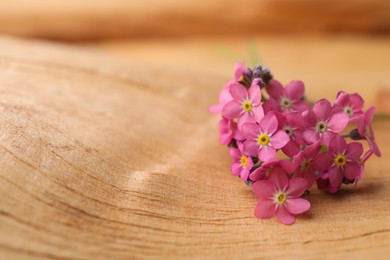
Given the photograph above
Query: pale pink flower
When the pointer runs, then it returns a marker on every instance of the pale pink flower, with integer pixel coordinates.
(321, 122)
(272, 166)
(308, 164)
(228, 131)
(350, 104)
(281, 197)
(245, 104)
(286, 99)
(365, 129)
(343, 160)
(264, 139)
(241, 165)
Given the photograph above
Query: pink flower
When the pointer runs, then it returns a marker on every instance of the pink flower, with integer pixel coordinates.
(281, 197)
(293, 127)
(365, 129)
(343, 160)
(322, 123)
(224, 95)
(308, 164)
(263, 139)
(286, 99)
(245, 104)
(272, 166)
(241, 164)
(350, 104)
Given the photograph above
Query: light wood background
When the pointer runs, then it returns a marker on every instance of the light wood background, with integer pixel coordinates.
(102, 157)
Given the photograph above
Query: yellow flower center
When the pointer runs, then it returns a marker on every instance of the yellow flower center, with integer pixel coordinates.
(280, 197)
(263, 139)
(247, 106)
(244, 161)
(340, 160)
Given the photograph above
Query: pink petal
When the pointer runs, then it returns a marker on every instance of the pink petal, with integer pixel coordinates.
(338, 144)
(275, 89)
(238, 92)
(251, 148)
(296, 187)
(301, 106)
(266, 152)
(264, 189)
(235, 154)
(309, 118)
(311, 136)
(279, 139)
(280, 180)
(284, 216)
(297, 206)
(265, 209)
(258, 112)
(354, 151)
(232, 110)
(327, 138)
(322, 109)
(239, 70)
(357, 101)
(352, 170)
(250, 130)
(215, 109)
(374, 147)
(338, 122)
(295, 90)
(291, 149)
(335, 177)
(269, 123)
(254, 94)
(258, 174)
(369, 115)
(245, 118)
(236, 168)
(323, 161)
(312, 151)
(245, 173)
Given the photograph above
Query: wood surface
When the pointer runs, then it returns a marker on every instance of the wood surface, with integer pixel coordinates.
(74, 20)
(103, 157)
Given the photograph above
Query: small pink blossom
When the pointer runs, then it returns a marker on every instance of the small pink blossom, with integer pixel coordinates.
(281, 197)
(365, 129)
(321, 122)
(286, 99)
(245, 104)
(308, 163)
(343, 160)
(293, 126)
(263, 139)
(272, 166)
(241, 165)
(350, 104)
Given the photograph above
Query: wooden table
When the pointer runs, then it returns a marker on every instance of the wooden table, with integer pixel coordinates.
(107, 151)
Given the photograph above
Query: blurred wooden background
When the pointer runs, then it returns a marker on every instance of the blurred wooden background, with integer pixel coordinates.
(108, 152)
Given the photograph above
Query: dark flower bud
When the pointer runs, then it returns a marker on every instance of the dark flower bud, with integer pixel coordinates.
(354, 135)
(246, 78)
(263, 73)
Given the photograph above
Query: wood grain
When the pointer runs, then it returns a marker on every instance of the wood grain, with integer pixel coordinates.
(104, 158)
(73, 20)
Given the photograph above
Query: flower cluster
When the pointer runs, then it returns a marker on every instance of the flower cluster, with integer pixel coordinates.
(281, 145)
